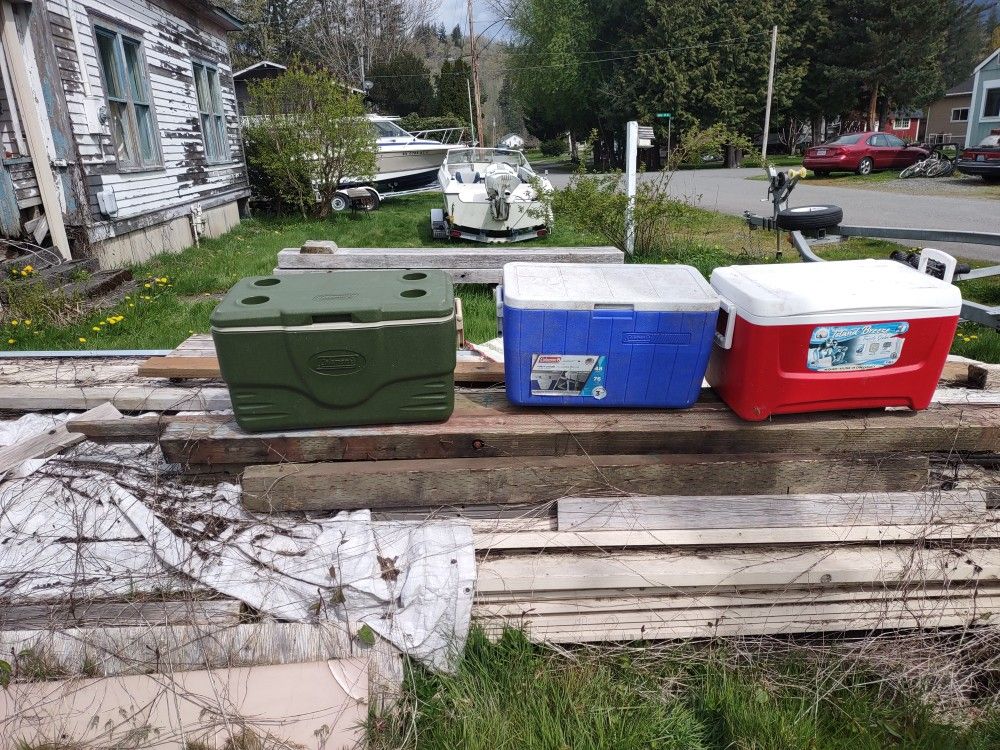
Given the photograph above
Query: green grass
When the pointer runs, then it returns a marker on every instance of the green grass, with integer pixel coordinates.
(513, 694)
(161, 314)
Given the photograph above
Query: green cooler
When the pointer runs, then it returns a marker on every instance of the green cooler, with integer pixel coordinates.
(338, 349)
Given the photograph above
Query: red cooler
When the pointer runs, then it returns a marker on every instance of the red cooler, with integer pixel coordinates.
(854, 334)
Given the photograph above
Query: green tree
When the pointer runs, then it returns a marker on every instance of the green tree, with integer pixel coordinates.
(273, 30)
(456, 35)
(307, 133)
(402, 85)
(452, 91)
(556, 39)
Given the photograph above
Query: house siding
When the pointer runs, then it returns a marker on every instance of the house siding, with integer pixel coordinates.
(907, 134)
(940, 128)
(172, 38)
(987, 77)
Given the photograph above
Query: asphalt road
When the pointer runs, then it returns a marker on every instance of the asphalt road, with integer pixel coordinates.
(729, 191)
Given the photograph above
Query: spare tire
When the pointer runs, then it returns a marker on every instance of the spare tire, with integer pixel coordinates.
(810, 217)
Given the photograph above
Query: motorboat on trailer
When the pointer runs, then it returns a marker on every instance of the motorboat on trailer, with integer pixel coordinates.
(491, 195)
(404, 161)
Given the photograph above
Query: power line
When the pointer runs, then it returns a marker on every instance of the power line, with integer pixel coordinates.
(636, 53)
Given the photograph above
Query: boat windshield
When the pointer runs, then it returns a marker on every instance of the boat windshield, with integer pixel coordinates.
(486, 156)
(389, 129)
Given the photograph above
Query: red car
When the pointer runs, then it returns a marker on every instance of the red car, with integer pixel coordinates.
(863, 153)
(982, 160)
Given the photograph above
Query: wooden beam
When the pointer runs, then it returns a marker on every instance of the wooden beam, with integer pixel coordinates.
(485, 257)
(52, 441)
(516, 537)
(801, 567)
(218, 612)
(187, 367)
(762, 511)
(763, 620)
(141, 429)
(122, 397)
(485, 425)
(475, 481)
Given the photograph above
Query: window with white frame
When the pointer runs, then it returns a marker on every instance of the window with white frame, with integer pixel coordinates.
(901, 123)
(126, 89)
(212, 115)
(991, 102)
(960, 114)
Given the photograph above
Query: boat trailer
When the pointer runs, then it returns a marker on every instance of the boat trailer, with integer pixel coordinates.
(808, 225)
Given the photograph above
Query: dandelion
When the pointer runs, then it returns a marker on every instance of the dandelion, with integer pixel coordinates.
(82, 340)
(96, 328)
(131, 304)
(27, 322)
(148, 286)
(11, 341)
(14, 322)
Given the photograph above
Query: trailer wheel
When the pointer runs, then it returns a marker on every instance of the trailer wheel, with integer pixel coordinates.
(339, 203)
(373, 201)
(810, 217)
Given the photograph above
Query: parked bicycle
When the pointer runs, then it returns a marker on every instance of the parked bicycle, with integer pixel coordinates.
(935, 165)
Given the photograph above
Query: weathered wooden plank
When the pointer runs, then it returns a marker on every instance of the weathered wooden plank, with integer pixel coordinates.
(763, 620)
(219, 612)
(144, 428)
(51, 441)
(785, 567)
(458, 275)
(472, 481)
(123, 397)
(189, 366)
(499, 539)
(105, 652)
(485, 425)
(451, 257)
(761, 511)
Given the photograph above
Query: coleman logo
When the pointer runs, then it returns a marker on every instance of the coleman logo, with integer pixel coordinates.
(337, 362)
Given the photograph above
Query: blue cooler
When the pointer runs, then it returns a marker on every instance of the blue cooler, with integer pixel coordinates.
(582, 334)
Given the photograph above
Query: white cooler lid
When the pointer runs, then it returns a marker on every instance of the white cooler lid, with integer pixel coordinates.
(835, 288)
(584, 286)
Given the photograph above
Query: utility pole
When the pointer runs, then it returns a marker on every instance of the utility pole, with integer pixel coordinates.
(472, 121)
(480, 130)
(770, 93)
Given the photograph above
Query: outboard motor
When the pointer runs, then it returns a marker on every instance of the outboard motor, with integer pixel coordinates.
(501, 179)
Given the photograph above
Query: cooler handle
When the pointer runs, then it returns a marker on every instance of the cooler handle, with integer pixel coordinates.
(946, 260)
(725, 340)
(498, 297)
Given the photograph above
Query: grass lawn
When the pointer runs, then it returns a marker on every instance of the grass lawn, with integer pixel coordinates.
(176, 294)
(515, 695)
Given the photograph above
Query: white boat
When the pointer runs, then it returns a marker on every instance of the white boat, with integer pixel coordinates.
(406, 161)
(491, 195)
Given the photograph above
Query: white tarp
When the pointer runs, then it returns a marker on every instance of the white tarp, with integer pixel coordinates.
(114, 521)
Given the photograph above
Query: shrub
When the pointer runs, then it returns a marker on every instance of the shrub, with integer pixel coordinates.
(307, 133)
(553, 147)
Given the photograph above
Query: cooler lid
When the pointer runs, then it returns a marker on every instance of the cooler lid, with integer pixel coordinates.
(584, 286)
(340, 297)
(783, 290)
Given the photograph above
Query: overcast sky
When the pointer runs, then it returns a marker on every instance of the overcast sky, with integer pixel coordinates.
(450, 12)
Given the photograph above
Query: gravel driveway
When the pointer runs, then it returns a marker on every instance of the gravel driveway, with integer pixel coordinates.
(729, 191)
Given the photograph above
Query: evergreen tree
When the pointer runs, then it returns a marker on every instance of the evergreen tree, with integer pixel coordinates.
(456, 35)
(452, 90)
(442, 34)
(402, 86)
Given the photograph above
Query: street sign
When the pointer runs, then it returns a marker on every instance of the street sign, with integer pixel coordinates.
(664, 115)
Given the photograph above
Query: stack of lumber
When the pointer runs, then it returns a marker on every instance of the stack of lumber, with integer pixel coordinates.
(622, 524)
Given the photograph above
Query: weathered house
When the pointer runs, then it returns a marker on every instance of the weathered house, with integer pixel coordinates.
(118, 124)
(984, 110)
(948, 117)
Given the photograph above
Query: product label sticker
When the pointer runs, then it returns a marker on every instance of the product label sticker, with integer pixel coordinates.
(865, 346)
(568, 375)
